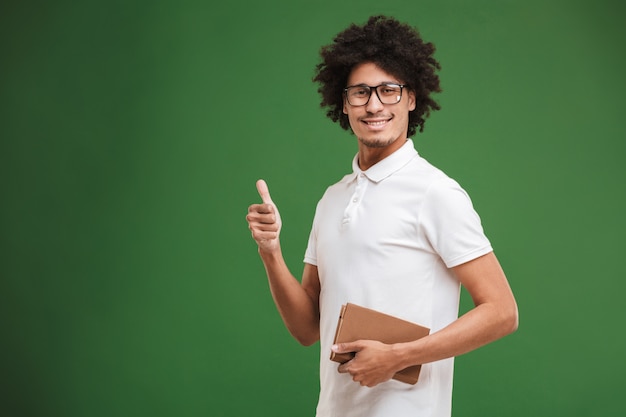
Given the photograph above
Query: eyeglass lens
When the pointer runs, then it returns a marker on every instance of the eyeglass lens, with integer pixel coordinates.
(387, 94)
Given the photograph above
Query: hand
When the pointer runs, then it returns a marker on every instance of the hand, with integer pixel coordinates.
(374, 362)
(264, 220)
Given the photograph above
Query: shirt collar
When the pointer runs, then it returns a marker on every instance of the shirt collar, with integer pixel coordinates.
(387, 166)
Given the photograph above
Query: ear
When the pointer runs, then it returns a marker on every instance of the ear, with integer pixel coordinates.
(411, 97)
(345, 110)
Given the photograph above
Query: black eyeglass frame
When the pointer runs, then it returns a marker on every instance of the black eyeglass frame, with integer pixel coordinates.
(373, 88)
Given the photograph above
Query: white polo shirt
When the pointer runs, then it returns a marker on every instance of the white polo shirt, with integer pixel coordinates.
(384, 239)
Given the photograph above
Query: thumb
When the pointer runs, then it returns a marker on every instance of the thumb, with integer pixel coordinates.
(264, 192)
(348, 347)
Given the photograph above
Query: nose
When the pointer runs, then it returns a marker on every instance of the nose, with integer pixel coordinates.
(374, 105)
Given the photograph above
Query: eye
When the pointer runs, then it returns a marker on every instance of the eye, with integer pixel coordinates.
(389, 90)
(359, 91)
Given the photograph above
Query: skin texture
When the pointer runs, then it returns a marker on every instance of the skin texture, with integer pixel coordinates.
(393, 46)
(381, 129)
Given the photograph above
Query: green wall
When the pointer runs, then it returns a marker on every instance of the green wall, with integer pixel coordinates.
(131, 136)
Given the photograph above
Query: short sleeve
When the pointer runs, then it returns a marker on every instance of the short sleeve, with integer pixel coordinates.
(451, 225)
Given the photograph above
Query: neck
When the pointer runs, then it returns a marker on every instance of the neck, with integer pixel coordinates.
(371, 155)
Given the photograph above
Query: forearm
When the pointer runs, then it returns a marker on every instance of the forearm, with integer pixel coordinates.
(297, 307)
(296, 302)
(480, 326)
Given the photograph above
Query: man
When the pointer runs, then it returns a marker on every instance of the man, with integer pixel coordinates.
(397, 235)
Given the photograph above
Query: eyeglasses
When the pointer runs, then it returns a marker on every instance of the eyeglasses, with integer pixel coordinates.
(359, 95)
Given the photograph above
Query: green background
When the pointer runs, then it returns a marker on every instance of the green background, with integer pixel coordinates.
(131, 136)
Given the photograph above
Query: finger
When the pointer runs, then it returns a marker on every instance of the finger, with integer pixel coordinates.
(346, 347)
(260, 209)
(343, 368)
(264, 192)
(262, 236)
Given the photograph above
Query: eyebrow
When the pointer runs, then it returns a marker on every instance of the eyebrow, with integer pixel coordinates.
(367, 85)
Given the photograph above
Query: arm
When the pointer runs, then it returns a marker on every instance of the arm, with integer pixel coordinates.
(297, 303)
(494, 316)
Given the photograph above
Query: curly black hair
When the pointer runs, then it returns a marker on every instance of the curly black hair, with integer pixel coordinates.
(396, 48)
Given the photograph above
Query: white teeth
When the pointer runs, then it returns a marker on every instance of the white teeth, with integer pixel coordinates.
(377, 123)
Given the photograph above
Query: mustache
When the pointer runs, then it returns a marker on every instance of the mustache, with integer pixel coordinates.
(376, 116)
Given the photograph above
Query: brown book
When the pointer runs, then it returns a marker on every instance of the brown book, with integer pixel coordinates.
(360, 323)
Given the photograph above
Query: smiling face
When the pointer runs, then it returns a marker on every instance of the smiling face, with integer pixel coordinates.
(375, 124)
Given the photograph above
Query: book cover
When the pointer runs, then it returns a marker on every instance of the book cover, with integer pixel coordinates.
(360, 323)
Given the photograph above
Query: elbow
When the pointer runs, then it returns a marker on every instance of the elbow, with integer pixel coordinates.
(307, 342)
(307, 339)
(510, 320)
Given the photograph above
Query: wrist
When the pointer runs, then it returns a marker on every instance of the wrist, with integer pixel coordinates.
(400, 353)
(269, 254)
(407, 354)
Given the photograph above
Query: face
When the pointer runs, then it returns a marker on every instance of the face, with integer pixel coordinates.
(375, 124)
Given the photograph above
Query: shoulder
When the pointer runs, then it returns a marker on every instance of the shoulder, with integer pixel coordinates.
(423, 178)
(340, 186)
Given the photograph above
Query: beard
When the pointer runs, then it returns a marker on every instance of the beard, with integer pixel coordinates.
(377, 142)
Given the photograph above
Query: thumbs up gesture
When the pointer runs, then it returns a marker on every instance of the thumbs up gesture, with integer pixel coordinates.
(264, 220)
